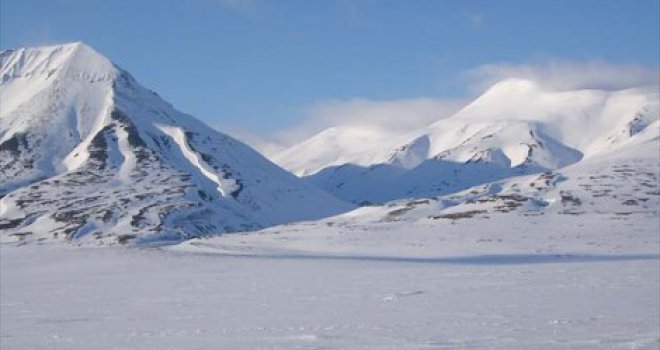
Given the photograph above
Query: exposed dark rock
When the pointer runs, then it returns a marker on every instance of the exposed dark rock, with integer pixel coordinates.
(460, 215)
(14, 144)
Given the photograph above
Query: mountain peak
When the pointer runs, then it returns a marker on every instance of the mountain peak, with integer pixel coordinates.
(74, 59)
(99, 157)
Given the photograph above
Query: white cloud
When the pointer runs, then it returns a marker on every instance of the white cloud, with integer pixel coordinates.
(266, 144)
(397, 116)
(402, 113)
(565, 75)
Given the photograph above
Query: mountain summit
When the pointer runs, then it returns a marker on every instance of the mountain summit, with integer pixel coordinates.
(87, 153)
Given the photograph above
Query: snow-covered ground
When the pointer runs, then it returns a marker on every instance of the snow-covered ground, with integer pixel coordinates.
(583, 282)
(98, 298)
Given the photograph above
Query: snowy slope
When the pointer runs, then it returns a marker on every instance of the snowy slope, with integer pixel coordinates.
(86, 152)
(621, 186)
(333, 146)
(514, 128)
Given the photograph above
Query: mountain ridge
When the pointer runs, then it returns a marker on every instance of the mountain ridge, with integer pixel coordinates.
(516, 127)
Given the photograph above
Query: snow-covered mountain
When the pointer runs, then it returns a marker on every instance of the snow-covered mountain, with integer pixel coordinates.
(88, 153)
(514, 128)
(333, 146)
(608, 203)
(621, 185)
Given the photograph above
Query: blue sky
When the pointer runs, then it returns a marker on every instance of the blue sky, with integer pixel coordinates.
(262, 65)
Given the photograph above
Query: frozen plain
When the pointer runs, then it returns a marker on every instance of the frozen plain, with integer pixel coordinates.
(456, 288)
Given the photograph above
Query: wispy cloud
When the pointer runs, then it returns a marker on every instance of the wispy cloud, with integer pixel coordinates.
(268, 144)
(401, 113)
(395, 116)
(563, 74)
